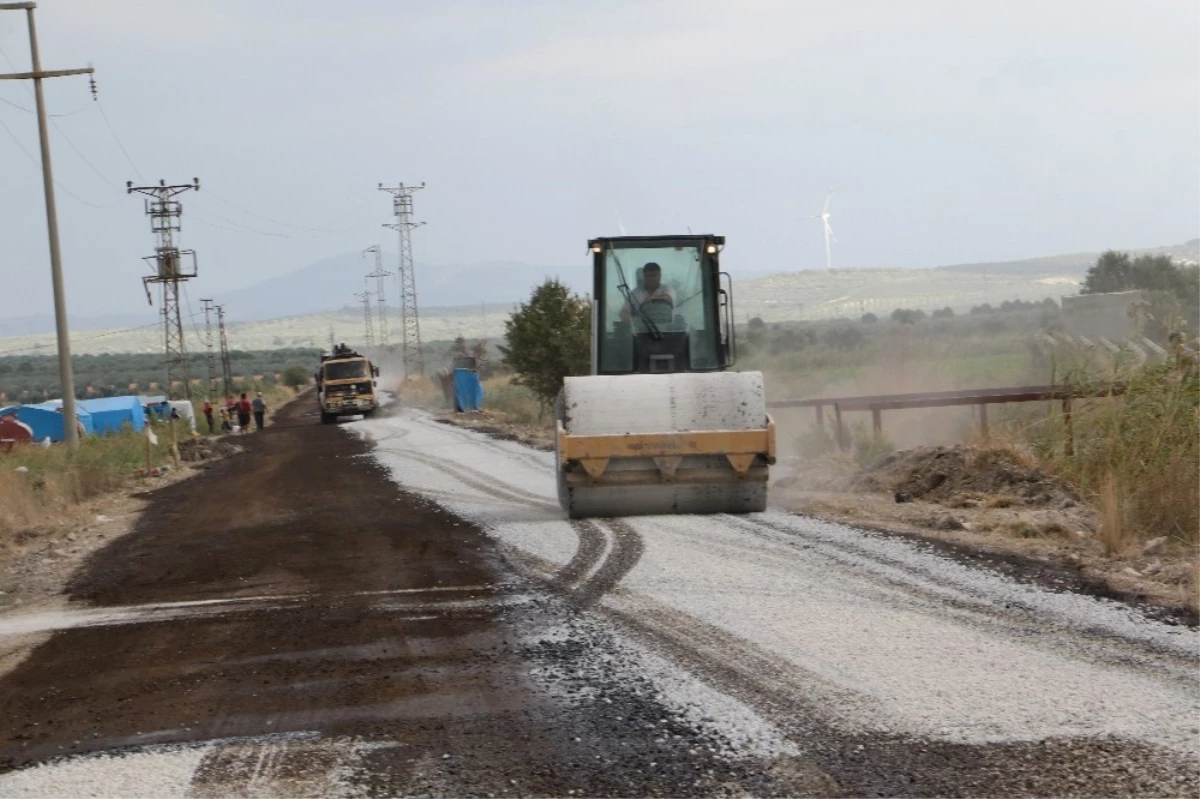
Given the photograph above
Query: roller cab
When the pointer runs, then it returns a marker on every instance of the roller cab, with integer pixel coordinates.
(661, 425)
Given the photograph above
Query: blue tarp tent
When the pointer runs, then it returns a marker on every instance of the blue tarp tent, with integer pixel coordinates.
(468, 391)
(112, 414)
(46, 420)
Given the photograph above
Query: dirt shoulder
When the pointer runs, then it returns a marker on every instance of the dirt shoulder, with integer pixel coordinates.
(991, 504)
(36, 565)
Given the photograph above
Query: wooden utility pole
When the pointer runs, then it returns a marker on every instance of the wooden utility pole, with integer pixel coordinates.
(65, 374)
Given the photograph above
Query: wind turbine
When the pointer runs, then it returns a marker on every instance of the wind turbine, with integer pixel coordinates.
(829, 239)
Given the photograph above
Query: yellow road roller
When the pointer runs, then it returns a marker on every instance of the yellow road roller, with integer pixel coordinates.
(662, 424)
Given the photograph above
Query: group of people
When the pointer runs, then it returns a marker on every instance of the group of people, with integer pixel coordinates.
(235, 414)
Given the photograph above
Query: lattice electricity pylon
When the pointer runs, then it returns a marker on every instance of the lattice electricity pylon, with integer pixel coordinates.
(208, 343)
(402, 208)
(380, 302)
(172, 266)
(368, 330)
(226, 369)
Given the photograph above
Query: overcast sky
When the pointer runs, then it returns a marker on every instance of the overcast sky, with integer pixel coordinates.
(949, 131)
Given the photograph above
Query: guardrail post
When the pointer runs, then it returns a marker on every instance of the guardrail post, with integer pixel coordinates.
(841, 430)
(820, 417)
(983, 420)
(877, 421)
(1069, 445)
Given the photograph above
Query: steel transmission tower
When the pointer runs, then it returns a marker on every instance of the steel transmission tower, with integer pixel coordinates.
(402, 208)
(368, 329)
(226, 370)
(208, 343)
(172, 266)
(380, 298)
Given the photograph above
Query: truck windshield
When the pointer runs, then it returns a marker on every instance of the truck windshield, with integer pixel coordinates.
(344, 370)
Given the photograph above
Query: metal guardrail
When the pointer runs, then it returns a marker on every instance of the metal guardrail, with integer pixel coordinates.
(980, 397)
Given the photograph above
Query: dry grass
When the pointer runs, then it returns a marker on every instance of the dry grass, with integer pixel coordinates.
(46, 486)
(1138, 455)
(518, 404)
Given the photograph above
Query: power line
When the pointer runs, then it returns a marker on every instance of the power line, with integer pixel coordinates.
(307, 228)
(81, 109)
(117, 139)
(239, 227)
(82, 338)
(35, 162)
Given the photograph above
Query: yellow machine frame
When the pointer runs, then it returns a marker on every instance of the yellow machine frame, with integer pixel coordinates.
(593, 453)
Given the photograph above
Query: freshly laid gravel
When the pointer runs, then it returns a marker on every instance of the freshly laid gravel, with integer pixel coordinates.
(894, 638)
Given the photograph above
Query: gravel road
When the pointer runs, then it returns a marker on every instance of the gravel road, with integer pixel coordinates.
(397, 606)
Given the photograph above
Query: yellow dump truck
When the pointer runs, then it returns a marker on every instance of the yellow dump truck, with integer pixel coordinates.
(346, 385)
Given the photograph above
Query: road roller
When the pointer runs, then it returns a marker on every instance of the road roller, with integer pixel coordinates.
(663, 424)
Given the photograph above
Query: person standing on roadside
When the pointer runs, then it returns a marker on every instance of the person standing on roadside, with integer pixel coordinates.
(208, 415)
(259, 405)
(243, 412)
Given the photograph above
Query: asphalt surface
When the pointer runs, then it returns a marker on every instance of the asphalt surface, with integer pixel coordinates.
(308, 617)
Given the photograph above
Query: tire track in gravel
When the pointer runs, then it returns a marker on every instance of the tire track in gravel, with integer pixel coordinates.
(1015, 619)
(592, 543)
(626, 551)
(877, 764)
(480, 481)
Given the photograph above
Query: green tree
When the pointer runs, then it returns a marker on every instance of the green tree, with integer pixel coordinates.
(844, 337)
(1116, 271)
(295, 376)
(907, 316)
(548, 338)
(25, 368)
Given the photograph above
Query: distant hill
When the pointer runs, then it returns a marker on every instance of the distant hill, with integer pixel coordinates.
(331, 283)
(1073, 263)
(473, 300)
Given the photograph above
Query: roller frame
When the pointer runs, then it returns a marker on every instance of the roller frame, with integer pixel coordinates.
(741, 448)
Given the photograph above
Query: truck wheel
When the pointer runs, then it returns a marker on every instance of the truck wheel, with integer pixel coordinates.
(328, 418)
(368, 414)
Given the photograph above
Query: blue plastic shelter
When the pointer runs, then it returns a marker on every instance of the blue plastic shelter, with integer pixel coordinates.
(112, 414)
(46, 420)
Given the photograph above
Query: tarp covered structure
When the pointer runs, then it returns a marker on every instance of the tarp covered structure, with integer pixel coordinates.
(468, 391)
(46, 419)
(113, 414)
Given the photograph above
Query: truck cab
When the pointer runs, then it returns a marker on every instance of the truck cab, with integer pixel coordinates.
(346, 385)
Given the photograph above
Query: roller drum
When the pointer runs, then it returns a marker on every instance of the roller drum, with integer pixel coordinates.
(632, 405)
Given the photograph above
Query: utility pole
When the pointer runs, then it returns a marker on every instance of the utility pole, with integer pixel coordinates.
(226, 369)
(402, 209)
(368, 331)
(171, 268)
(66, 375)
(208, 342)
(381, 303)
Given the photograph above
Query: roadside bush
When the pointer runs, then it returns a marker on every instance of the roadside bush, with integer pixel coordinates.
(548, 338)
(56, 481)
(1138, 455)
